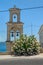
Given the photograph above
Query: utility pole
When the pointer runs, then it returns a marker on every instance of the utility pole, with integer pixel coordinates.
(31, 29)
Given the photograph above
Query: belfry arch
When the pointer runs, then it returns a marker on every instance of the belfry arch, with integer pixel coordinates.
(14, 28)
(14, 18)
(12, 33)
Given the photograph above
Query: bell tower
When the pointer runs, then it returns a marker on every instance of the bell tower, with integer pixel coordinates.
(14, 26)
(15, 11)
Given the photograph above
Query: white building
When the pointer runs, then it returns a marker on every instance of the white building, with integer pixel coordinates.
(41, 35)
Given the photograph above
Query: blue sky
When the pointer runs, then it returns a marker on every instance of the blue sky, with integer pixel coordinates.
(34, 16)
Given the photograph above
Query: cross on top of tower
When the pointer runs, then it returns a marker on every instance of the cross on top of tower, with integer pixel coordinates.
(14, 6)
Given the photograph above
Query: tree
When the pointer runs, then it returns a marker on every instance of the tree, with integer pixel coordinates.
(26, 46)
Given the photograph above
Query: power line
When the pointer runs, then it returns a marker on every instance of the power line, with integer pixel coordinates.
(32, 8)
(4, 11)
(24, 9)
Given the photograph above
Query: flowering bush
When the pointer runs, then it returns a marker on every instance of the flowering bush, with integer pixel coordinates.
(26, 46)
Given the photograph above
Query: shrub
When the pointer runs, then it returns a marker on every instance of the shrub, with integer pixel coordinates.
(26, 46)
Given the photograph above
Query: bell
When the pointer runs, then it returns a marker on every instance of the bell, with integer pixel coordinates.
(14, 16)
(12, 34)
(17, 33)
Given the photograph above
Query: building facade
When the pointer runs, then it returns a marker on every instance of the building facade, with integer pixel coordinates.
(41, 35)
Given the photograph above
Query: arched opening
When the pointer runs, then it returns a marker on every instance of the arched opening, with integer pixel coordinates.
(11, 35)
(17, 34)
(14, 18)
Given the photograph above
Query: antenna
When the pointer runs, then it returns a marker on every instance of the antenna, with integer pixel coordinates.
(31, 29)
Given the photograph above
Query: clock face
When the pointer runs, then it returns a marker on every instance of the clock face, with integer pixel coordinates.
(14, 18)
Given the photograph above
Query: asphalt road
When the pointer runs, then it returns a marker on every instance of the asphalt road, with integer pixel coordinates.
(22, 61)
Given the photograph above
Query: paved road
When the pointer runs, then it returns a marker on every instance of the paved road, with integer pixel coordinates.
(22, 62)
(35, 60)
